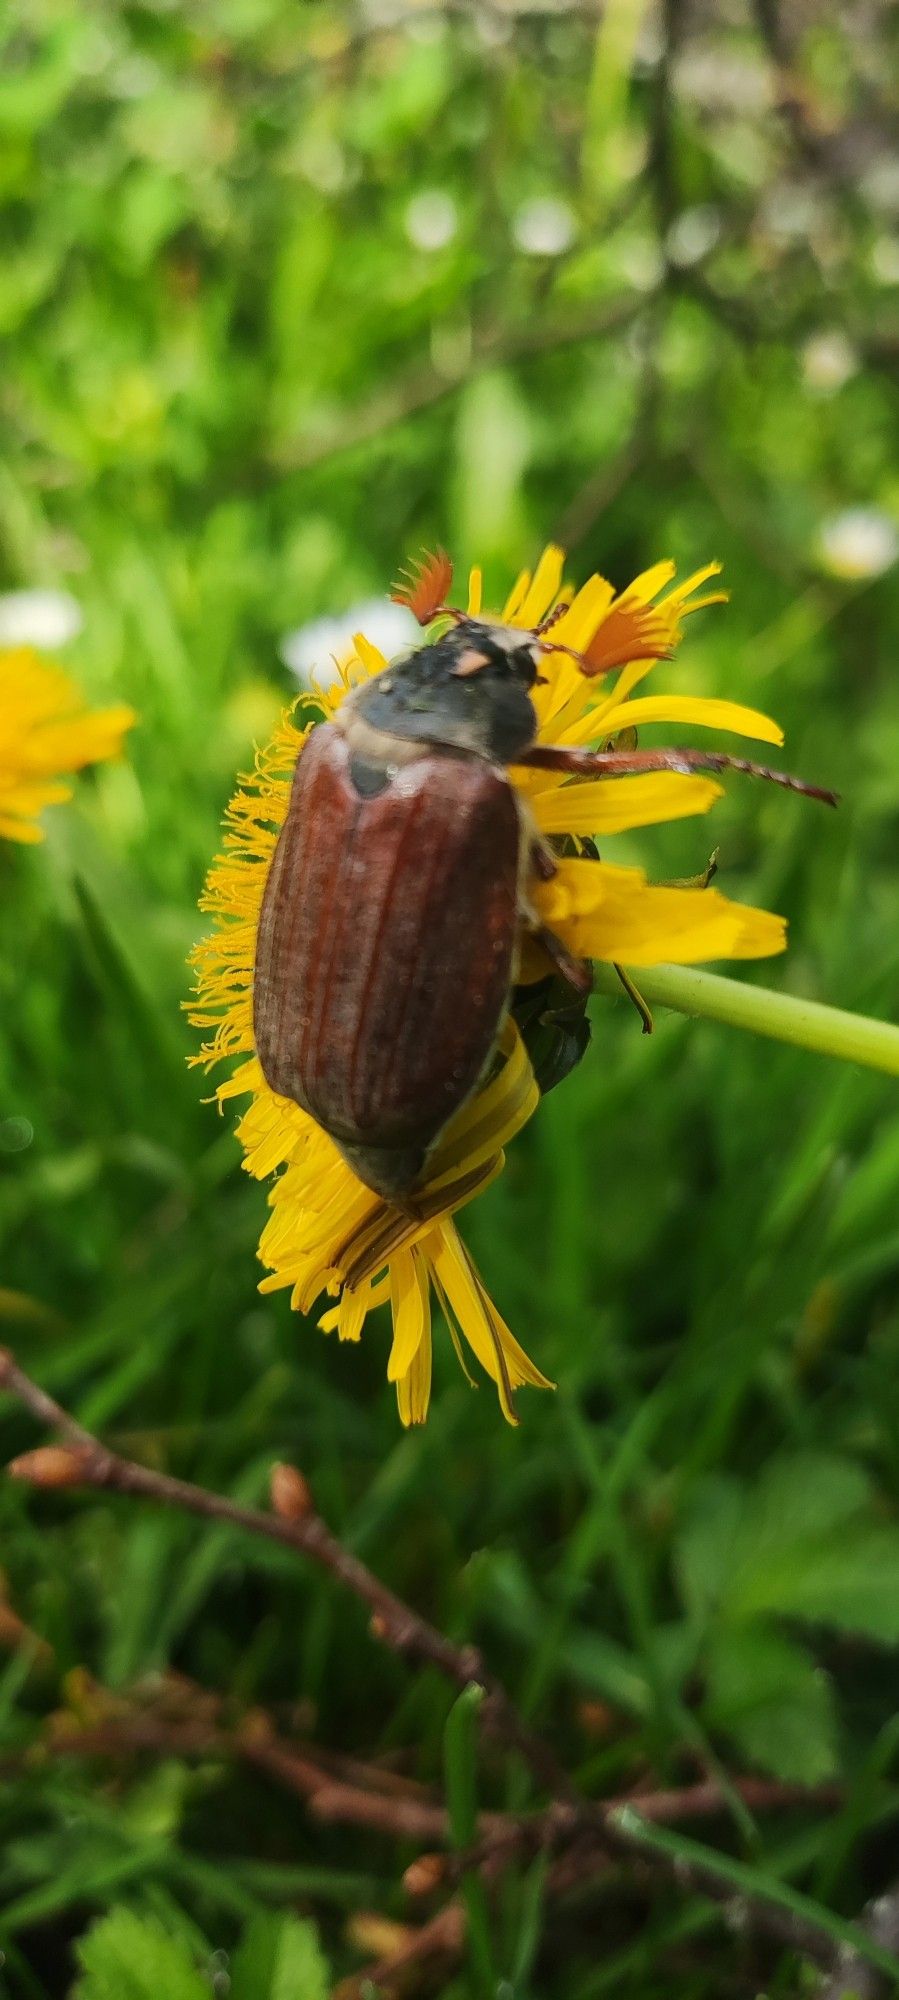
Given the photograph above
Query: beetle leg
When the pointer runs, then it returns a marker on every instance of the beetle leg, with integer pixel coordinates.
(577, 971)
(619, 763)
(700, 881)
(634, 994)
(543, 861)
(632, 990)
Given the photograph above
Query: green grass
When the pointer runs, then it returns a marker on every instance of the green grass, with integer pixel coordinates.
(235, 395)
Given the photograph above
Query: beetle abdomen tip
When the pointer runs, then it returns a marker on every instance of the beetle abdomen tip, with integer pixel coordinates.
(390, 1171)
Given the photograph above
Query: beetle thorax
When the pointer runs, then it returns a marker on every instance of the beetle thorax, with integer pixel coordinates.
(367, 744)
(466, 693)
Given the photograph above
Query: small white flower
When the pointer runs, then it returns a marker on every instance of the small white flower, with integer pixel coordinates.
(544, 227)
(721, 81)
(828, 360)
(692, 235)
(432, 219)
(311, 651)
(42, 618)
(859, 542)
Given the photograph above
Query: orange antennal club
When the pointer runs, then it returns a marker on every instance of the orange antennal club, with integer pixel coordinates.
(423, 586)
(629, 633)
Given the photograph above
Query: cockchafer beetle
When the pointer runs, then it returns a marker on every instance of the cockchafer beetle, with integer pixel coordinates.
(399, 890)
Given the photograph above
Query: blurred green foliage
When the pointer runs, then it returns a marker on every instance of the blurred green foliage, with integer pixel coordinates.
(127, 1957)
(285, 292)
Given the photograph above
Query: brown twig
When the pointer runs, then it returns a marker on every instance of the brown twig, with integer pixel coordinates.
(305, 1771)
(441, 1938)
(852, 1976)
(345, 1790)
(84, 1461)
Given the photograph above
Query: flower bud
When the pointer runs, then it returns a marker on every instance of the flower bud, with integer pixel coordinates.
(52, 1465)
(424, 1874)
(290, 1494)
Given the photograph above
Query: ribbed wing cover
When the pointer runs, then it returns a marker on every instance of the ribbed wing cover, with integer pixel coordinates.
(385, 948)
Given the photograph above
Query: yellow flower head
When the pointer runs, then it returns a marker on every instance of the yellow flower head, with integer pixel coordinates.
(327, 1232)
(45, 733)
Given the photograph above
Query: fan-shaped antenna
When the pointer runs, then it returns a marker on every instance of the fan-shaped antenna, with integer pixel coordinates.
(424, 585)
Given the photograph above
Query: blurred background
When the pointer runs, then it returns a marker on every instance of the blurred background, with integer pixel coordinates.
(285, 293)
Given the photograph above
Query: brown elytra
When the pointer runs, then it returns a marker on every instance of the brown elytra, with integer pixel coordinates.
(385, 949)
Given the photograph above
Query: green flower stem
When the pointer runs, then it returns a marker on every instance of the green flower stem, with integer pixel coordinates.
(707, 996)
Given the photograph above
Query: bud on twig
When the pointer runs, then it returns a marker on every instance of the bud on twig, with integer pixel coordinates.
(424, 1874)
(52, 1465)
(290, 1494)
(368, 1931)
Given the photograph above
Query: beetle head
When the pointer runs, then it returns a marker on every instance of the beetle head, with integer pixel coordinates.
(424, 588)
(470, 688)
(481, 646)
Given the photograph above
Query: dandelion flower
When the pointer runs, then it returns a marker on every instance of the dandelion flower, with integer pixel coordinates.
(328, 1233)
(45, 733)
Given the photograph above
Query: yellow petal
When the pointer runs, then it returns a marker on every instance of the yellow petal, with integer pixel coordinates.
(615, 914)
(568, 691)
(409, 1306)
(561, 701)
(487, 1334)
(352, 1314)
(475, 592)
(543, 589)
(682, 591)
(516, 596)
(45, 731)
(492, 1117)
(691, 709)
(578, 725)
(413, 1390)
(585, 612)
(453, 1274)
(521, 1368)
(20, 829)
(29, 795)
(369, 656)
(647, 585)
(70, 743)
(603, 805)
(373, 1294)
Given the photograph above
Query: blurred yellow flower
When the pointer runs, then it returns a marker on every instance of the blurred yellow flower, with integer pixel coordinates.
(327, 1232)
(45, 733)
